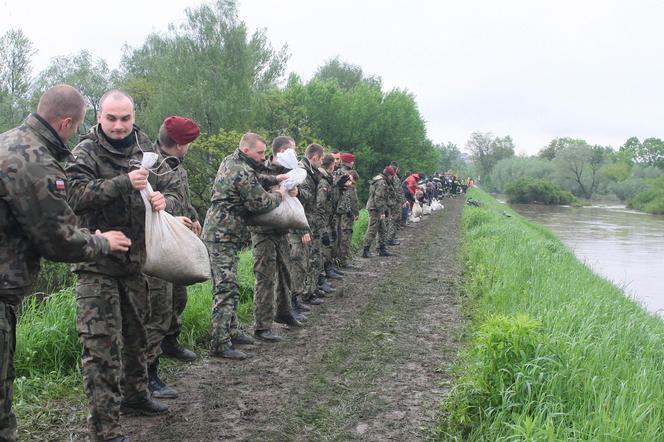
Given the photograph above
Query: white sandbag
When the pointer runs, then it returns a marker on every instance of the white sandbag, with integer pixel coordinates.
(414, 219)
(174, 253)
(426, 209)
(290, 213)
(435, 205)
(417, 210)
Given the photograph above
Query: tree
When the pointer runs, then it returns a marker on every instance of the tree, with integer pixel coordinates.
(450, 158)
(345, 74)
(486, 150)
(578, 165)
(89, 75)
(16, 53)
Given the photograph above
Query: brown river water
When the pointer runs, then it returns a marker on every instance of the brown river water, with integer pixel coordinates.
(623, 245)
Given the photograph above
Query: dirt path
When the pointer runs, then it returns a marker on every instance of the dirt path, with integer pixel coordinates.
(369, 364)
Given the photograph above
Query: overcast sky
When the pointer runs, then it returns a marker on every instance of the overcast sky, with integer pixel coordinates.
(534, 70)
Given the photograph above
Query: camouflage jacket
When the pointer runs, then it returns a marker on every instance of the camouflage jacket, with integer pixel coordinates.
(185, 208)
(379, 194)
(348, 203)
(267, 175)
(397, 197)
(35, 219)
(237, 192)
(308, 190)
(102, 196)
(325, 202)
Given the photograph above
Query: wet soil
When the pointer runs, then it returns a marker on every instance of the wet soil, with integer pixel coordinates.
(372, 363)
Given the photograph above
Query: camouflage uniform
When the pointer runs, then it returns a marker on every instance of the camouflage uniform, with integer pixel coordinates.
(35, 221)
(307, 196)
(271, 263)
(346, 212)
(236, 192)
(324, 214)
(397, 199)
(168, 300)
(377, 204)
(111, 292)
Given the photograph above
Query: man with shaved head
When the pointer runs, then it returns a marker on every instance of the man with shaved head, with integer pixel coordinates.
(35, 219)
(111, 292)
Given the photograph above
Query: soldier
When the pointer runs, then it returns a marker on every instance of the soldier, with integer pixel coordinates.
(347, 209)
(312, 160)
(35, 219)
(397, 201)
(236, 193)
(326, 203)
(337, 158)
(271, 262)
(377, 205)
(167, 300)
(111, 292)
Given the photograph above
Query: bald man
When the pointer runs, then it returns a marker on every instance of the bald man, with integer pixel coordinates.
(111, 292)
(35, 219)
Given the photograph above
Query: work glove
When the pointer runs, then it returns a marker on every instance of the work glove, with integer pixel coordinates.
(325, 239)
(341, 183)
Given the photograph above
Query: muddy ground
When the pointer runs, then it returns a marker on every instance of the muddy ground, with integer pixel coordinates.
(371, 364)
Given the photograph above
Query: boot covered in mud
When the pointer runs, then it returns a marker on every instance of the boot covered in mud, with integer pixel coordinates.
(366, 253)
(382, 251)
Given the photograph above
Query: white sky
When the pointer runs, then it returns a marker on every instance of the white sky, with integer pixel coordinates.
(532, 69)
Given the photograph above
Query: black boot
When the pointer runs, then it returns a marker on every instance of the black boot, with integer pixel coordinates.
(329, 271)
(172, 348)
(366, 253)
(156, 386)
(393, 242)
(289, 320)
(382, 251)
(145, 407)
(298, 306)
(335, 268)
(325, 286)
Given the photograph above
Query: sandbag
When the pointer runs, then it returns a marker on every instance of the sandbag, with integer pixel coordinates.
(417, 210)
(426, 209)
(174, 253)
(290, 213)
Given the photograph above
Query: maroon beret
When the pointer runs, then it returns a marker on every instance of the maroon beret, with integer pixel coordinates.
(347, 157)
(389, 170)
(181, 130)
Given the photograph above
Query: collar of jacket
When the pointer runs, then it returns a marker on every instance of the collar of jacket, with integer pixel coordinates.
(325, 174)
(144, 143)
(45, 131)
(247, 159)
(171, 160)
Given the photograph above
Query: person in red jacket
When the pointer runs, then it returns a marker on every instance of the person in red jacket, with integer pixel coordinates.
(411, 183)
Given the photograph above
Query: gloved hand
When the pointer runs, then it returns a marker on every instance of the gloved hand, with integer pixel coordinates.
(325, 239)
(333, 236)
(341, 183)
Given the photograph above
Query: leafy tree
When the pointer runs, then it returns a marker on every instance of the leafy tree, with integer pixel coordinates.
(346, 75)
(450, 158)
(578, 165)
(16, 52)
(527, 190)
(511, 169)
(89, 75)
(486, 150)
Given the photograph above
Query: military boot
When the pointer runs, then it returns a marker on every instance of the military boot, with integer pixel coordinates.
(382, 251)
(118, 439)
(336, 269)
(325, 286)
(297, 305)
(393, 242)
(330, 273)
(313, 301)
(366, 253)
(240, 338)
(156, 386)
(173, 349)
(267, 336)
(288, 320)
(145, 407)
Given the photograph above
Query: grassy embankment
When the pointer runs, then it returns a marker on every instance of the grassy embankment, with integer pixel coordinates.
(48, 353)
(556, 352)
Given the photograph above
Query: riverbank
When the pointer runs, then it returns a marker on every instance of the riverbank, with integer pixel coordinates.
(554, 352)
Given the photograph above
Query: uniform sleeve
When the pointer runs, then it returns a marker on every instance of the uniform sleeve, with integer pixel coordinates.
(381, 196)
(307, 191)
(320, 211)
(168, 183)
(254, 198)
(87, 191)
(40, 206)
(188, 207)
(268, 181)
(354, 202)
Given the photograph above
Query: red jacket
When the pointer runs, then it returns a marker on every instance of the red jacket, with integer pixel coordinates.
(411, 183)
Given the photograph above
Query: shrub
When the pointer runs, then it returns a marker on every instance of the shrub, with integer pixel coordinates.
(651, 199)
(531, 190)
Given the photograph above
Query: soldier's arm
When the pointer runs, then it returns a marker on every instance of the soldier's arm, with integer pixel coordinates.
(307, 191)
(40, 206)
(267, 181)
(87, 191)
(168, 183)
(254, 198)
(381, 195)
(319, 208)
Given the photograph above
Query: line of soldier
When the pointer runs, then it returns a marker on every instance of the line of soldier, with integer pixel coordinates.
(124, 319)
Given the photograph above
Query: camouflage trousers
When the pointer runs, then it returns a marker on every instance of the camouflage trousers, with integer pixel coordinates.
(271, 261)
(376, 227)
(393, 221)
(110, 315)
(167, 302)
(225, 293)
(7, 373)
(344, 237)
(299, 264)
(314, 266)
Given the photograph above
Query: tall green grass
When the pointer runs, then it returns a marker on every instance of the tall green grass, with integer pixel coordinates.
(48, 352)
(558, 353)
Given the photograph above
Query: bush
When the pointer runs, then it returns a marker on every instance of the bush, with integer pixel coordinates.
(528, 190)
(651, 199)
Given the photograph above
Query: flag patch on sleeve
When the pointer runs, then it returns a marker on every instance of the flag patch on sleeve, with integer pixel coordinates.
(59, 184)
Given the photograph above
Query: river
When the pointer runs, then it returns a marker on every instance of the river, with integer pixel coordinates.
(625, 246)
